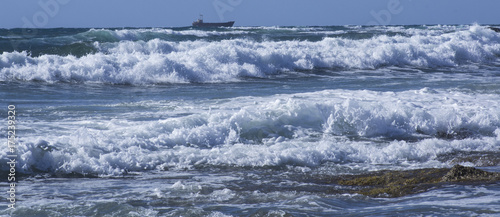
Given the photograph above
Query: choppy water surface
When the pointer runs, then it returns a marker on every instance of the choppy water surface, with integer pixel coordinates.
(246, 121)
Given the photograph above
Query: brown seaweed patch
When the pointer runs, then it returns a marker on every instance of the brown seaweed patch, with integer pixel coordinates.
(401, 183)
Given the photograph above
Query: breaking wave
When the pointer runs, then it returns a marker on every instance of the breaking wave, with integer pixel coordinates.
(364, 128)
(142, 57)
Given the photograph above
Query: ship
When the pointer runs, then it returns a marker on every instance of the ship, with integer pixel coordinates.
(200, 23)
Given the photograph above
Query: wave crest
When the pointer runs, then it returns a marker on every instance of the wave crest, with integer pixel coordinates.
(307, 129)
(162, 61)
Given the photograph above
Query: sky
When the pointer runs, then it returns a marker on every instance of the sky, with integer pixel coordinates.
(179, 13)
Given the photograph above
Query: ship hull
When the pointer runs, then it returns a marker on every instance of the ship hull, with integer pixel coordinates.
(227, 24)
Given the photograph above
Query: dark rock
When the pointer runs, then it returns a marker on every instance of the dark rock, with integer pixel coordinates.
(461, 174)
(495, 29)
(401, 183)
(395, 183)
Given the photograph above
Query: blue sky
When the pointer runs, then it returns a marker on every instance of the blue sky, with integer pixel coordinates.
(175, 13)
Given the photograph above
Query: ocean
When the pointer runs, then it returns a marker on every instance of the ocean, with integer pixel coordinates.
(246, 121)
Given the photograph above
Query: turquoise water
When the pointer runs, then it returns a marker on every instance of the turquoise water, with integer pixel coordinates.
(247, 121)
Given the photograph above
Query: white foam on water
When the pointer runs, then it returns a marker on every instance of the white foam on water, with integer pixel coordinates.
(159, 61)
(410, 129)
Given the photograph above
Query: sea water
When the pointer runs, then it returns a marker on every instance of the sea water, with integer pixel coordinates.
(247, 121)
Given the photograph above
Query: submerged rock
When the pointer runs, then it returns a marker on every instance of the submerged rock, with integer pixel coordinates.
(463, 174)
(401, 183)
(495, 29)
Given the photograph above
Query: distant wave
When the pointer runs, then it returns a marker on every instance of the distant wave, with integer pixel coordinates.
(148, 34)
(126, 59)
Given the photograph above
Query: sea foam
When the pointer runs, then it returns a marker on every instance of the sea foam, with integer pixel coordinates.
(158, 61)
(366, 128)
